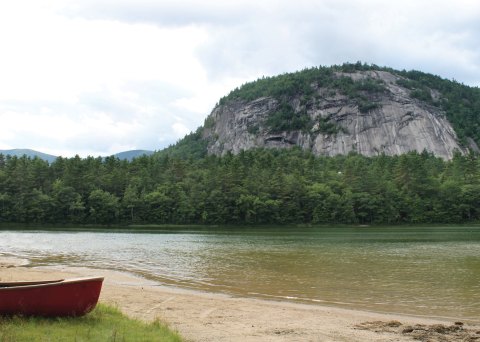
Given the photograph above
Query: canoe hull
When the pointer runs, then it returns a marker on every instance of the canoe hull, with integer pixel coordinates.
(74, 297)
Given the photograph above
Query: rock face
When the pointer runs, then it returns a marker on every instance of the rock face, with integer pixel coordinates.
(398, 123)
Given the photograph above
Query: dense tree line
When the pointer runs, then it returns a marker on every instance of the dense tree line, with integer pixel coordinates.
(254, 187)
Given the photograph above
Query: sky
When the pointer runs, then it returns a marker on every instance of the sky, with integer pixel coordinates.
(97, 77)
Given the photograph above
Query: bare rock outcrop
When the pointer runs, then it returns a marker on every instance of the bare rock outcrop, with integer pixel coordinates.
(397, 123)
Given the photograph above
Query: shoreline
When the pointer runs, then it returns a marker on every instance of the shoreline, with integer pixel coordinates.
(199, 227)
(205, 316)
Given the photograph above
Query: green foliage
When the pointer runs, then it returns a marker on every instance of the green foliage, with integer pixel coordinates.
(303, 83)
(362, 92)
(105, 323)
(253, 129)
(407, 83)
(103, 207)
(281, 87)
(422, 94)
(460, 102)
(367, 106)
(285, 119)
(209, 122)
(418, 90)
(370, 85)
(261, 186)
(357, 89)
(191, 146)
(288, 85)
(325, 126)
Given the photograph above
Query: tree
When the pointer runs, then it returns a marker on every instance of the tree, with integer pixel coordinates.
(103, 207)
(39, 207)
(68, 204)
(159, 206)
(130, 202)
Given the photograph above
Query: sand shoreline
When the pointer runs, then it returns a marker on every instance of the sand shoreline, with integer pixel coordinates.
(202, 316)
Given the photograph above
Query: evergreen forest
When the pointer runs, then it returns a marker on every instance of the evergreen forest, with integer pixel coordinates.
(260, 186)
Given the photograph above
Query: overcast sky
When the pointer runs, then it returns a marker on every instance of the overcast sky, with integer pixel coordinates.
(96, 77)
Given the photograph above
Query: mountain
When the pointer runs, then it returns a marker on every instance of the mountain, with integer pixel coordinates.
(29, 153)
(126, 155)
(129, 155)
(336, 110)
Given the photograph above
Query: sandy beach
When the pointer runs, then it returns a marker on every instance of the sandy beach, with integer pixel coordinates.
(201, 316)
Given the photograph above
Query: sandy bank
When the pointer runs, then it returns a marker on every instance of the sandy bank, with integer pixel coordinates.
(202, 316)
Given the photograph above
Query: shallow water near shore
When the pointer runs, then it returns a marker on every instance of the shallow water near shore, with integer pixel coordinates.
(432, 271)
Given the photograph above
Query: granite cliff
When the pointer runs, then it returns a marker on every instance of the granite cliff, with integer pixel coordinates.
(332, 111)
(396, 124)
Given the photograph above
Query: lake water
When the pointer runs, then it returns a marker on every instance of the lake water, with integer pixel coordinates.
(412, 270)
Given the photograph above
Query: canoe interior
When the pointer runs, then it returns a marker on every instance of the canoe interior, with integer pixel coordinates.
(27, 283)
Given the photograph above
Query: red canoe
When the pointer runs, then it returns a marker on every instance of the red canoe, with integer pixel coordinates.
(72, 297)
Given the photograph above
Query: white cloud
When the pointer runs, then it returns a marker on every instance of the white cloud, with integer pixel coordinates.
(180, 129)
(57, 58)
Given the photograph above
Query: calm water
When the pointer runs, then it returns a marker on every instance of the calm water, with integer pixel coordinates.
(425, 271)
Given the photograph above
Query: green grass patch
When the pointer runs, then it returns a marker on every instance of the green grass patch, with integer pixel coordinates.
(105, 323)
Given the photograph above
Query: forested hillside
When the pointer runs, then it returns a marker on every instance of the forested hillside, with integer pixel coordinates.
(261, 186)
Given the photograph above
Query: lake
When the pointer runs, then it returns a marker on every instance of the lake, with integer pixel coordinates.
(432, 271)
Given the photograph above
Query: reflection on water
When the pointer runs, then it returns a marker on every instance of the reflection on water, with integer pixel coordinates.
(431, 271)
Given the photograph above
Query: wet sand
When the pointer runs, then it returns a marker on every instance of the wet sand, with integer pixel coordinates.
(201, 316)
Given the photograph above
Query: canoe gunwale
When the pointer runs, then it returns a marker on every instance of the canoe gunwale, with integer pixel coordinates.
(28, 283)
(6, 286)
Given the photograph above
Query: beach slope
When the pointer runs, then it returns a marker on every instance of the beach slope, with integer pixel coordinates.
(201, 316)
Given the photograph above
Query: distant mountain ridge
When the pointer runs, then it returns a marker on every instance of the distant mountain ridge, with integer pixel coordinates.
(129, 155)
(20, 152)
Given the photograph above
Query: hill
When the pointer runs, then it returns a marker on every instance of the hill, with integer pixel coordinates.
(126, 155)
(29, 153)
(334, 110)
(130, 155)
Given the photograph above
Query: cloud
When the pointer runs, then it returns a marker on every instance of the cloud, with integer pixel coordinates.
(162, 13)
(136, 116)
(79, 86)
(247, 39)
(441, 40)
